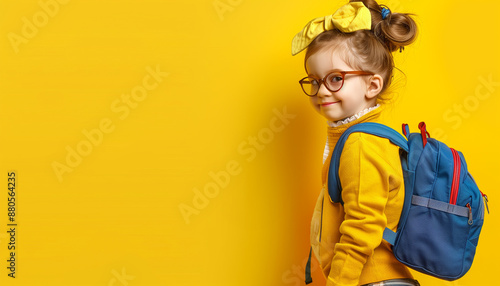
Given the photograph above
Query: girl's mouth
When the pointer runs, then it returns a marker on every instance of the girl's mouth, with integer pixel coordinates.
(328, 103)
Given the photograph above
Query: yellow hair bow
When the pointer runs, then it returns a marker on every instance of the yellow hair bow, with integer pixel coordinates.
(348, 18)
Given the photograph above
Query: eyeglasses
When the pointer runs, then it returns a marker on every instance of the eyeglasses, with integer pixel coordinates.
(333, 81)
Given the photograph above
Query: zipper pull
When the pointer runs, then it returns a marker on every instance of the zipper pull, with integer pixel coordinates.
(423, 132)
(485, 197)
(470, 214)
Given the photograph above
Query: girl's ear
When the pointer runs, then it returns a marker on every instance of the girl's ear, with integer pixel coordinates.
(374, 86)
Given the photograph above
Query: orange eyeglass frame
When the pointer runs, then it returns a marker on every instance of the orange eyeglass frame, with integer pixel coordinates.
(321, 81)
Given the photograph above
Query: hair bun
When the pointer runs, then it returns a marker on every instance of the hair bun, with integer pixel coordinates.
(395, 30)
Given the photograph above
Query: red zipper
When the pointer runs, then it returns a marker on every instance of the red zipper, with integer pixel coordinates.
(456, 177)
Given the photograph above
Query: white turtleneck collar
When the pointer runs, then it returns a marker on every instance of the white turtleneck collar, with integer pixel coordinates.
(352, 118)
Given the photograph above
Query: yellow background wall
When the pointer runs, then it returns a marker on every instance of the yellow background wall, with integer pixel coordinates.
(118, 116)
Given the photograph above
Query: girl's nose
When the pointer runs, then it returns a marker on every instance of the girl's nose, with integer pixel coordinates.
(323, 91)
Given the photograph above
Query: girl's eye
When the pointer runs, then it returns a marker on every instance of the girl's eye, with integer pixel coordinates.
(336, 79)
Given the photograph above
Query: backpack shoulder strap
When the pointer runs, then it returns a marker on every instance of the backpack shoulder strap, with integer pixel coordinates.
(377, 129)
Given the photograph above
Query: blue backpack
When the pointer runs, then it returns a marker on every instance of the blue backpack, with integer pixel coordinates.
(443, 211)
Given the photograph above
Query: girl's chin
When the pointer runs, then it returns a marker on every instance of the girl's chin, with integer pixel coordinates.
(332, 117)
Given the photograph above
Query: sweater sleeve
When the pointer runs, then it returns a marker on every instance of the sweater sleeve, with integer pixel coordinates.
(366, 165)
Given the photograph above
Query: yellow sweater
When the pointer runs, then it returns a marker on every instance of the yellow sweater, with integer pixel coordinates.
(348, 240)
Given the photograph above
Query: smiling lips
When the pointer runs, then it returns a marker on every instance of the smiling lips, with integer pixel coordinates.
(328, 103)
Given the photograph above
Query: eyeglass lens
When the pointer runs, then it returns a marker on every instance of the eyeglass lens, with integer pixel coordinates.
(333, 82)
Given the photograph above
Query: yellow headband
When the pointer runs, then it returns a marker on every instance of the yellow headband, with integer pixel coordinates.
(351, 17)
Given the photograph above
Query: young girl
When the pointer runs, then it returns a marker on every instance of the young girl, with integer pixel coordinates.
(349, 67)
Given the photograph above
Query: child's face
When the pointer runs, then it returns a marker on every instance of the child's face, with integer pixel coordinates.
(355, 95)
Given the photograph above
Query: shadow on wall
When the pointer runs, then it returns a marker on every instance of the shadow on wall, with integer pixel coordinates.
(298, 171)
